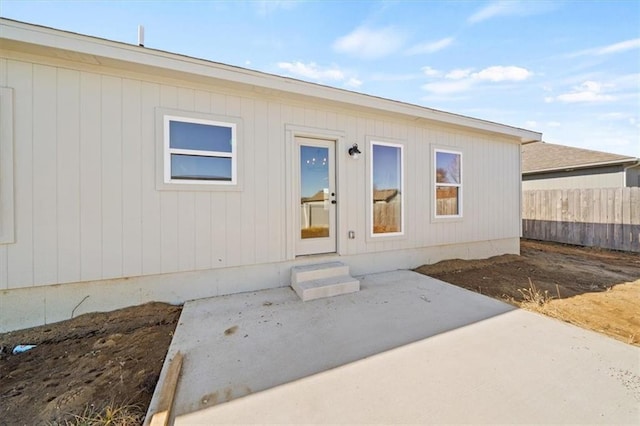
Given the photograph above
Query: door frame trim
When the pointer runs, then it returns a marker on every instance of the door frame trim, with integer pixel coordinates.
(321, 245)
(290, 206)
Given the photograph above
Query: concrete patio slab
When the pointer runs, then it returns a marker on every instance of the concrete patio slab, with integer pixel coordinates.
(405, 349)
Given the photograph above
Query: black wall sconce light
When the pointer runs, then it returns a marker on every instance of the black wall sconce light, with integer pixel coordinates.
(354, 152)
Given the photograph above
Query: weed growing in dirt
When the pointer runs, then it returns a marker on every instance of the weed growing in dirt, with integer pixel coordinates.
(110, 415)
(533, 295)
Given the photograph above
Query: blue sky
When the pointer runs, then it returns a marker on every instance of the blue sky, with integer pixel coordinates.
(387, 167)
(570, 69)
(314, 170)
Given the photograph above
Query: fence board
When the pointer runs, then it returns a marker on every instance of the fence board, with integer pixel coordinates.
(610, 219)
(626, 221)
(607, 218)
(595, 205)
(634, 213)
(586, 197)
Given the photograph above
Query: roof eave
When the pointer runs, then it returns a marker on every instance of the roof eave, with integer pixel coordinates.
(58, 39)
(620, 162)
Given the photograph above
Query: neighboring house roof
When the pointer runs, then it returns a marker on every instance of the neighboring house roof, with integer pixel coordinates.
(35, 39)
(540, 157)
(384, 195)
(318, 196)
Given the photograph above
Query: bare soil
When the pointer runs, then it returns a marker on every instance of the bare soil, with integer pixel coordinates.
(114, 359)
(589, 287)
(85, 365)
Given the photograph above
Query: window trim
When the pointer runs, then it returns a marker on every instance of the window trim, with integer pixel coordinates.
(168, 151)
(7, 208)
(371, 236)
(434, 212)
(164, 151)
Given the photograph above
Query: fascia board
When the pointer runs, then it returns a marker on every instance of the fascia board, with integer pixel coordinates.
(57, 39)
(621, 162)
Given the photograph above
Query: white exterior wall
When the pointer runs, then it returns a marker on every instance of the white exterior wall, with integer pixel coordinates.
(603, 180)
(87, 207)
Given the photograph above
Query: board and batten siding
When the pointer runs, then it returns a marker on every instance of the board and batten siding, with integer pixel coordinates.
(87, 207)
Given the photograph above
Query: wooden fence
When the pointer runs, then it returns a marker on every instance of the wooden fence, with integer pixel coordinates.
(607, 218)
(386, 217)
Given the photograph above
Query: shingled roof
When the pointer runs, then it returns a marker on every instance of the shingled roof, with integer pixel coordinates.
(384, 195)
(318, 196)
(542, 156)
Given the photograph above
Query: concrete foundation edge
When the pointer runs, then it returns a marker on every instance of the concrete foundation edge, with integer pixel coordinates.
(33, 306)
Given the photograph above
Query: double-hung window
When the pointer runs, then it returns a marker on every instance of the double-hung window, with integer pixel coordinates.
(448, 183)
(199, 151)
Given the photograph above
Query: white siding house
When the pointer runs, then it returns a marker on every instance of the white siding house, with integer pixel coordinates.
(109, 197)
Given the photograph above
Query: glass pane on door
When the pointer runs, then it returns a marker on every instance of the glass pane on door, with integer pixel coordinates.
(314, 192)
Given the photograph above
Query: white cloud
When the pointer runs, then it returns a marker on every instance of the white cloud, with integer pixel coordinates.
(531, 123)
(353, 83)
(370, 43)
(554, 124)
(619, 47)
(589, 91)
(496, 8)
(461, 79)
(430, 72)
(314, 72)
(500, 73)
(458, 74)
(430, 47)
(512, 8)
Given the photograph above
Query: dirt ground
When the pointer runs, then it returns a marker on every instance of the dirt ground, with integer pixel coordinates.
(84, 365)
(589, 287)
(113, 359)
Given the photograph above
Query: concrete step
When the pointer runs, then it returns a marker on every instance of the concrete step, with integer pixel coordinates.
(326, 287)
(318, 271)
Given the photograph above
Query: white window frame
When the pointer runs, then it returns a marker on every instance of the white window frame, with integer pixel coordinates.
(164, 181)
(371, 235)
(455, 185)
(7, 210)
(192, 152)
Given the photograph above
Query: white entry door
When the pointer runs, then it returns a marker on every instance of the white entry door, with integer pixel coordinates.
(315, 196)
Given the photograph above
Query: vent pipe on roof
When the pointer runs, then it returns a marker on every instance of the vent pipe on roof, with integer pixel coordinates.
(140, 35)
